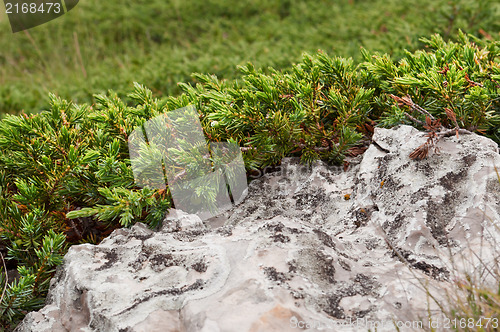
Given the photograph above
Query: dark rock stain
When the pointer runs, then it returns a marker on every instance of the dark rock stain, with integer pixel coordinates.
(324, 238)
(274, 275)
(111, 257)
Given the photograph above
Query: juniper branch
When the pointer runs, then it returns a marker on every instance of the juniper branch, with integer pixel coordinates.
(451, 132)
(414, 119)
(413, 106)
(316, 148)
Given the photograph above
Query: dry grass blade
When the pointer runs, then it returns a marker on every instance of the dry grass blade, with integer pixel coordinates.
(6, 279)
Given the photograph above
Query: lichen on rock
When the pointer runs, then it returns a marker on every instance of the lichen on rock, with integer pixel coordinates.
(296, 250)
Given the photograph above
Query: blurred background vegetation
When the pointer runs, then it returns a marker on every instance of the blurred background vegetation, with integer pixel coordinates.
(102, 45)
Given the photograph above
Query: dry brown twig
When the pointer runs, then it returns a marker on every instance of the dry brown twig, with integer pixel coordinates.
(406, 100)
(435, 129)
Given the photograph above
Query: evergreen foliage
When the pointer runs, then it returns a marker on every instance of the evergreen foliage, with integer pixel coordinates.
(462, 77)
(66, 177)
(101, 45)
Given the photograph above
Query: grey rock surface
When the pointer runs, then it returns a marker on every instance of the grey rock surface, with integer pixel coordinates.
(310, 247)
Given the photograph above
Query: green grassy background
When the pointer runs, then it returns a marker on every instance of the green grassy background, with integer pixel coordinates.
(102, 45)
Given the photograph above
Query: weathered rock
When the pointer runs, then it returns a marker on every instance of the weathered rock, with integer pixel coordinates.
(309, 247)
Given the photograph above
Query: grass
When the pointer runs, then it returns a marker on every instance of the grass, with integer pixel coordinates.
(102, 45)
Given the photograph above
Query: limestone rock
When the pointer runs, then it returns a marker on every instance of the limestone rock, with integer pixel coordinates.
(310, 247)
